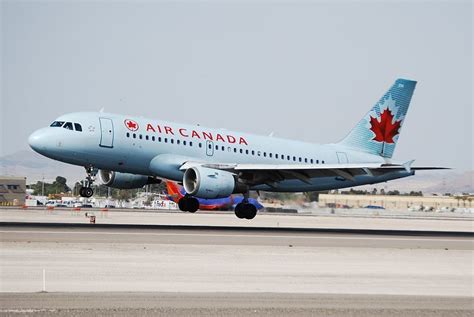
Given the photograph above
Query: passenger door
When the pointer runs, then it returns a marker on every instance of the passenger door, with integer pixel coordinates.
(107, 132)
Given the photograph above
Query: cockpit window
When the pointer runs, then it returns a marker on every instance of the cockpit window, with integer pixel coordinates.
(57, 124)
(77, 126)
(68, 125)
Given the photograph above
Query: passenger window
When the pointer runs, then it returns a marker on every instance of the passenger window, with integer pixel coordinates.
(68, 125)
(235, 150)
(241, 151)
(253, 152)
(246, 151)
(264, 154)
(166, 140)
(178, 141)
(128, 135)
(317, 161)
(134, 136)
(276, 156)
(223, 148)
(57, 124)
(322, 162)
(311, 161)
(190, 143)
(270, 155)
(200, 144)
(217, 147)
(159, 139)
(140, 136)
(300, 159)
(172, 141)
(146, 137)
(153, 138)
(184, 142)
(78, 127)
(258, 153)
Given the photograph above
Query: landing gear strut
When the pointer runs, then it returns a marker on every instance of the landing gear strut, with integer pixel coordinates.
(245, 210)
(188, 203)
(86, 190)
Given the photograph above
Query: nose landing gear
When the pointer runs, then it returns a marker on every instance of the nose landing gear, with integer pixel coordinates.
(86, 190)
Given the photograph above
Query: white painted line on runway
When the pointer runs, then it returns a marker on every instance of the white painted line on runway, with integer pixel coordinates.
(233, 235)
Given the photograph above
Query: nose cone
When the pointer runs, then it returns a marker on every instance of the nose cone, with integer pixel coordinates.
(38, 141)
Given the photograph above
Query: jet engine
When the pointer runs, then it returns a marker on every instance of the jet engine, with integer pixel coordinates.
(125, 180)
(211, 183)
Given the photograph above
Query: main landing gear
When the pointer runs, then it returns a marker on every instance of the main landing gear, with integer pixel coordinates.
(86, 190)
(245, 210)
(188, 203)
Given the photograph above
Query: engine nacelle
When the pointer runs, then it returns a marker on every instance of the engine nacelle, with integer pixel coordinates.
(210, 183)
(124, 180)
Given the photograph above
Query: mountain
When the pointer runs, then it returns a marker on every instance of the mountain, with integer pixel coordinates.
(34, 167)
(431, 182)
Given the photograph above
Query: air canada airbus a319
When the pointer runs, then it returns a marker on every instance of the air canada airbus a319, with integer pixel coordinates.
(130, 152)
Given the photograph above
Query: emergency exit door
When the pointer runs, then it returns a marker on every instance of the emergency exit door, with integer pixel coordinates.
(107, 132)
(209, 148)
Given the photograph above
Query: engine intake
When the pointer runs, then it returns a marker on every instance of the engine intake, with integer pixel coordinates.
(211, 183)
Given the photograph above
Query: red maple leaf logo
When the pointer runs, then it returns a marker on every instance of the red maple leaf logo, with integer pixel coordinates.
(384, 129)
(131, 125)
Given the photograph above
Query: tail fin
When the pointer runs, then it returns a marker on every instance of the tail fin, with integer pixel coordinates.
(378, 132)
(173, 190)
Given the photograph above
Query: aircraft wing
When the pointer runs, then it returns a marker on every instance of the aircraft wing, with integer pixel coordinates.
(269, 173)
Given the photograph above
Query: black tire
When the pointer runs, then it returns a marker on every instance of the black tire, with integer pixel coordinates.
(239, 211)
(251, 211)
(193, 205)
(183, 204)
(88, 192)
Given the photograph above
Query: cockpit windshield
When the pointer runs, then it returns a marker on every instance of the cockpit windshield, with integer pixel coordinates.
(57, 124)
(68, 126)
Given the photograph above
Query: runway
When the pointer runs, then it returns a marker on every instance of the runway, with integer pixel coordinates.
(201, 271)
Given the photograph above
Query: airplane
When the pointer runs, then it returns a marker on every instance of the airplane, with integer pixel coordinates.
(176, 193)
(130, 152)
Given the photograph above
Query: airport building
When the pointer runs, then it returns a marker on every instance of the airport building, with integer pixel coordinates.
(394, 202)
(12, 191)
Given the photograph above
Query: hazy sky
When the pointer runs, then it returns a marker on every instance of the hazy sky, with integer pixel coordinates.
(305, 70)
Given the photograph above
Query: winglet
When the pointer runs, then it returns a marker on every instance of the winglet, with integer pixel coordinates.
(407, 165)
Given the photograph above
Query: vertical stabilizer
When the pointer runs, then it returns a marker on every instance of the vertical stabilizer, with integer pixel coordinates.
(379, 130)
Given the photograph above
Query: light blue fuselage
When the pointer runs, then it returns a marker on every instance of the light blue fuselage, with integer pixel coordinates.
(106, 143)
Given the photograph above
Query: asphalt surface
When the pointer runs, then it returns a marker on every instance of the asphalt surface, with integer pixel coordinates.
(115, 270)
(229, 304)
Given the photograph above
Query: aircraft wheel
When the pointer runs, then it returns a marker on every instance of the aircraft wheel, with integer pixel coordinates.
(238, 211)
(88, 192)
(251, 211)
(193, 204)
(183, 204)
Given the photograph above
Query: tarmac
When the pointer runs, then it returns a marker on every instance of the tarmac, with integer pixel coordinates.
(239, 268)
